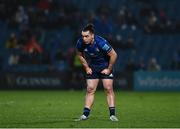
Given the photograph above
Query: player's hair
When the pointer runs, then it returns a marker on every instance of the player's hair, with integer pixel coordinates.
(89, 27)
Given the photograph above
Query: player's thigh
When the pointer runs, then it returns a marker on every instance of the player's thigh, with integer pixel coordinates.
(92, 84)
(107, 84)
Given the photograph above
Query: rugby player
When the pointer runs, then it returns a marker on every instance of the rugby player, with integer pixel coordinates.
(97, 57)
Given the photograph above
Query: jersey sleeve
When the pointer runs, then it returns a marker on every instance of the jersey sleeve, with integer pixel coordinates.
(79, 46)
(105, 46)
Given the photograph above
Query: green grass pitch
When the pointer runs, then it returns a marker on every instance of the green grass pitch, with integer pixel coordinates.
(58, 109)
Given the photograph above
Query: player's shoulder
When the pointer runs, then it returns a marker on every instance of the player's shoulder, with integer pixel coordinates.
(103, 44)
(100, 39)
(79, 42)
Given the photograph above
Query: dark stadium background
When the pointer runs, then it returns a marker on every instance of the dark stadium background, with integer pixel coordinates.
(38, 39)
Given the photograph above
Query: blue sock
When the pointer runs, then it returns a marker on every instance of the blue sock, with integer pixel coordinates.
(112, 111)
(86, 111)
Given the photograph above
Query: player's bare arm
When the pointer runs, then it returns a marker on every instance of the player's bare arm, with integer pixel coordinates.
(113, 56)
(84, 63)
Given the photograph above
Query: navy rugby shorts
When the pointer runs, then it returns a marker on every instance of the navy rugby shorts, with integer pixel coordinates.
(99, 75)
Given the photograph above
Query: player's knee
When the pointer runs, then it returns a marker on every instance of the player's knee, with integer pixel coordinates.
(109, 89)
(90, 90)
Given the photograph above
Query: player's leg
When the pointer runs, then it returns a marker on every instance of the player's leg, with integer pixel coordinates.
(108, 86)
(89, 99)
(91, 88)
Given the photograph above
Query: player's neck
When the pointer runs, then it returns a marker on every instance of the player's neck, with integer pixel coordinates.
(92, 41)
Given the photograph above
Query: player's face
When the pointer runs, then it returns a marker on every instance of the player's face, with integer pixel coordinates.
(87, 37)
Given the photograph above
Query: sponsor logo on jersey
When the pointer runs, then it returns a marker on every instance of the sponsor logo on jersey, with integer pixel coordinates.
(105, 47)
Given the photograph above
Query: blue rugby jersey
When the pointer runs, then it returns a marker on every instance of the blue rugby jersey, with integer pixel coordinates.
(96, 53)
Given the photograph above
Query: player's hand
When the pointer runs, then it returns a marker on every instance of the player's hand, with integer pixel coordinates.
(88, 70)
(106, 71)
